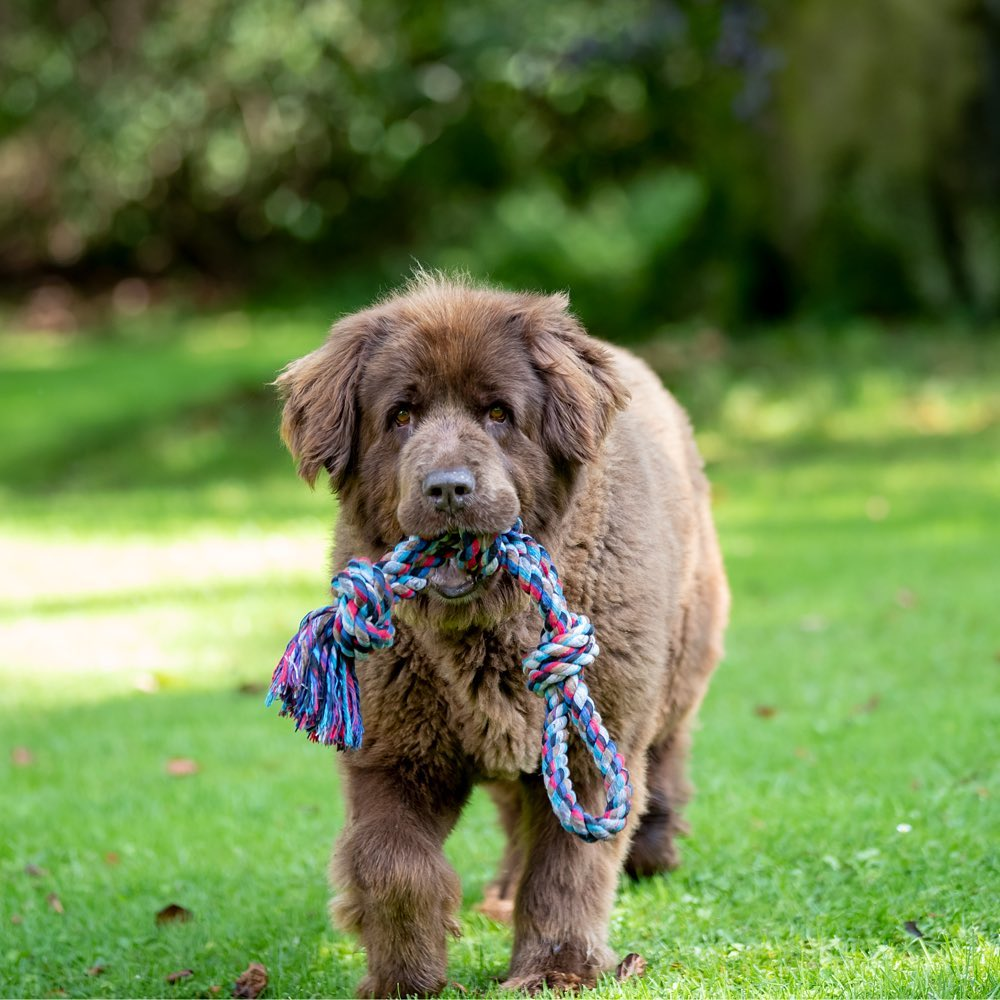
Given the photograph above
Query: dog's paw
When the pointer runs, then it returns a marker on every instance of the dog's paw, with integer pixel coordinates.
(496, 907)
(557, 982)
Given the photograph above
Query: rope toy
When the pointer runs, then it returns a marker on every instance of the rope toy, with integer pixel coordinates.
(317, 686)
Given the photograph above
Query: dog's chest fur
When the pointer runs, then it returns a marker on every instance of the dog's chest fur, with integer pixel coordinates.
(495, 718)
(454, 704)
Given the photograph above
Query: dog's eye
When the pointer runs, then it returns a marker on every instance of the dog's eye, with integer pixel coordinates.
(497, 413)
(401, 417)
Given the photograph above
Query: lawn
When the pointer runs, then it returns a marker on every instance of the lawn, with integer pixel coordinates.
(157, 552)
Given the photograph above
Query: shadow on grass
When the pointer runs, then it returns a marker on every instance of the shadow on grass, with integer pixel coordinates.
(232, 437)
(877, 451)
(231, 444)
(166, 414)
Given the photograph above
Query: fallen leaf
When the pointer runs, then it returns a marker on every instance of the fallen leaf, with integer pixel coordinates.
(632, 966)
(96, 970)
(182, 766)
(173, 913)
(16, 918)
(35, 871)
(458, 986)
(214, 989)
(250, 687)
(913, 929)
(252, 982)
(22, 757)
(765, 711)
(867, 707)
(112, 858)
(55, 902)
(173, 977)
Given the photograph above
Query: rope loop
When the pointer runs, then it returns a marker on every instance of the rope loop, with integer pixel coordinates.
(316, 683)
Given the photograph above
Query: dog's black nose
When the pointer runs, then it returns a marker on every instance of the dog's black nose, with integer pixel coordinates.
(448, 489)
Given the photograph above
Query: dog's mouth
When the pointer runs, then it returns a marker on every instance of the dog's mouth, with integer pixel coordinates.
(452, 582)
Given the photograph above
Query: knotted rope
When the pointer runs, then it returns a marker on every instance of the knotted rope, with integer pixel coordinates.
(317, 686)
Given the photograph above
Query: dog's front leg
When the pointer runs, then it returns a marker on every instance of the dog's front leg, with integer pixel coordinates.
(563, 903)
(395, 888)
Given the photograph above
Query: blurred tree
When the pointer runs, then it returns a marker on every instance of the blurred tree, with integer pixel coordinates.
(872, 113)
(729, 157)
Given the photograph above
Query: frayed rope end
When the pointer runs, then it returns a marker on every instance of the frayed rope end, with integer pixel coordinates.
(317, 686)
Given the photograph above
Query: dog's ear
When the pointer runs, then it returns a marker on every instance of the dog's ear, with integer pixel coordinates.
(319, 424)
(583, 387)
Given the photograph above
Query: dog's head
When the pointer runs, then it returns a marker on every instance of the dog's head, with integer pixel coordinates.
(450, 407)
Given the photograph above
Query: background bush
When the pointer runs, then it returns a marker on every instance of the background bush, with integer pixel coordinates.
(740, 160)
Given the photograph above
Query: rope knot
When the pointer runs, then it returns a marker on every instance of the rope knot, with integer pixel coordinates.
(561, 655)
(363, 619)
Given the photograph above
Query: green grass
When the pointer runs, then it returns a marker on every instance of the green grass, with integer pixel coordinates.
(153, 536)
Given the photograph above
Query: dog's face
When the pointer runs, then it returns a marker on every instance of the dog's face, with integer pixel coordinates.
(450, 408)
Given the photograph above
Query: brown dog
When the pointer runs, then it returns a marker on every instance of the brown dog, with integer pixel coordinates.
(451, 406)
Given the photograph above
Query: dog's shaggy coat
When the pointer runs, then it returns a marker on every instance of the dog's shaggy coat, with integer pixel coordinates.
(578, 438)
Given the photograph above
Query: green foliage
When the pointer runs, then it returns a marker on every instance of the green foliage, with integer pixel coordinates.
(612, 249)
(873, 106)
(738, 158)
(322, 119)
(157, 539)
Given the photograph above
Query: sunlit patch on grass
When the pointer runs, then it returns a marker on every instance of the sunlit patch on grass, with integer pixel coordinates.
(59, 570)
(85, 616)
